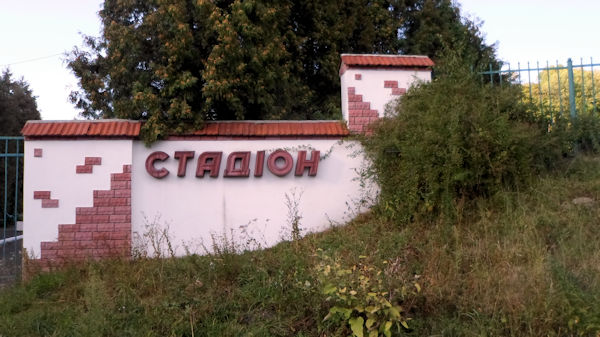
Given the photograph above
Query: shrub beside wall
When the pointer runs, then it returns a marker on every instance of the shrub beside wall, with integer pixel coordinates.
(453, 140)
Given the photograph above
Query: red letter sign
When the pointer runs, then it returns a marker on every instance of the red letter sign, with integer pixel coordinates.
(243, 170)
(288, 162)
(312, 164)
(154, 156)
(183, 157)
(209, 161)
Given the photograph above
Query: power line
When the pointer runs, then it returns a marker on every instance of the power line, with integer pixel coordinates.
(31, 60)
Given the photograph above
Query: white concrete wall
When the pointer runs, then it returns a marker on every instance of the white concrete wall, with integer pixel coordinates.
(252, 210)
(371, 85)
(55, 172)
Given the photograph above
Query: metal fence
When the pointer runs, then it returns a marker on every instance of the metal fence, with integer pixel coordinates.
(553, 91)
(11, 207)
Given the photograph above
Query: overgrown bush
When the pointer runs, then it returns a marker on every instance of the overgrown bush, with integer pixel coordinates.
(453, 140)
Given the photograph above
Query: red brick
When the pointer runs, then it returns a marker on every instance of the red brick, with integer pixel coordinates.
(119, 201)
(69, 244)
(93, 160)
(86, 244)
(119, 243)
(83, 236)
(104, 218)
(390, 84)
(105, 210)
(118, 185)
(128, 218)
(65, 253)
(84, 252)
(88, 227)
(122, 210)
(118, 218)
(102, 202)
(126, 168)
(122, 193)
(358, 77)
(86, 210)
(104, 252)
(398, 91)
(351, 90)
(67, 228)
(81, 219)
(49, 245)
(41, 194)
(123, 227)
(106, 227)
(120, 177)
(49, 253)
(355, 98)
(104, 194)
(49, 203)
(100, 236)
(120, 235)
(37, 152)
(84, 169)
(362, 120)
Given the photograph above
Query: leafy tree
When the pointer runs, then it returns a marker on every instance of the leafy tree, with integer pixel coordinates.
(176, 63)
(17, 105)
(550, 95)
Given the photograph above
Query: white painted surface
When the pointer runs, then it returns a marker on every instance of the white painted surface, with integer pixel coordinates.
(55, 172)
(250, 210)
(371, 85)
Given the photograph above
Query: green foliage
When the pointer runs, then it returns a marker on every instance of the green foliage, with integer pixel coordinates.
(177, 63)
(454, 140)
(361, 298)
(523, 264)
(550, 95)
(17, 105)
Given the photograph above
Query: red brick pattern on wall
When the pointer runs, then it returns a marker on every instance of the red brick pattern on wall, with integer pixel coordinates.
(360, 114)
(358, 77)
(390, 84)
(88, 167)
(44, 196)
(37, 152)
(394, 86)
(398, 91)
(100, 231)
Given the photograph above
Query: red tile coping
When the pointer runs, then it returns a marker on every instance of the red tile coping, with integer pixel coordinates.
(114, 128)
(369, 60)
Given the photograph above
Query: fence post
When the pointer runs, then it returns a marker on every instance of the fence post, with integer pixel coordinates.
(571, 89)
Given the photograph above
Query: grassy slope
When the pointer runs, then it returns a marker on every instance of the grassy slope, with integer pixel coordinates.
(522, 264)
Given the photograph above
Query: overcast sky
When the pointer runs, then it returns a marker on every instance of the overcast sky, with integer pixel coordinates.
(35, 34)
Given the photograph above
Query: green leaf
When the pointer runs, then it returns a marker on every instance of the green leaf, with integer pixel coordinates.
(404, 324)
(356, 324)
(387, 329)
(369, 323)
(418, 287)
(395, 312)
(329, 289)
